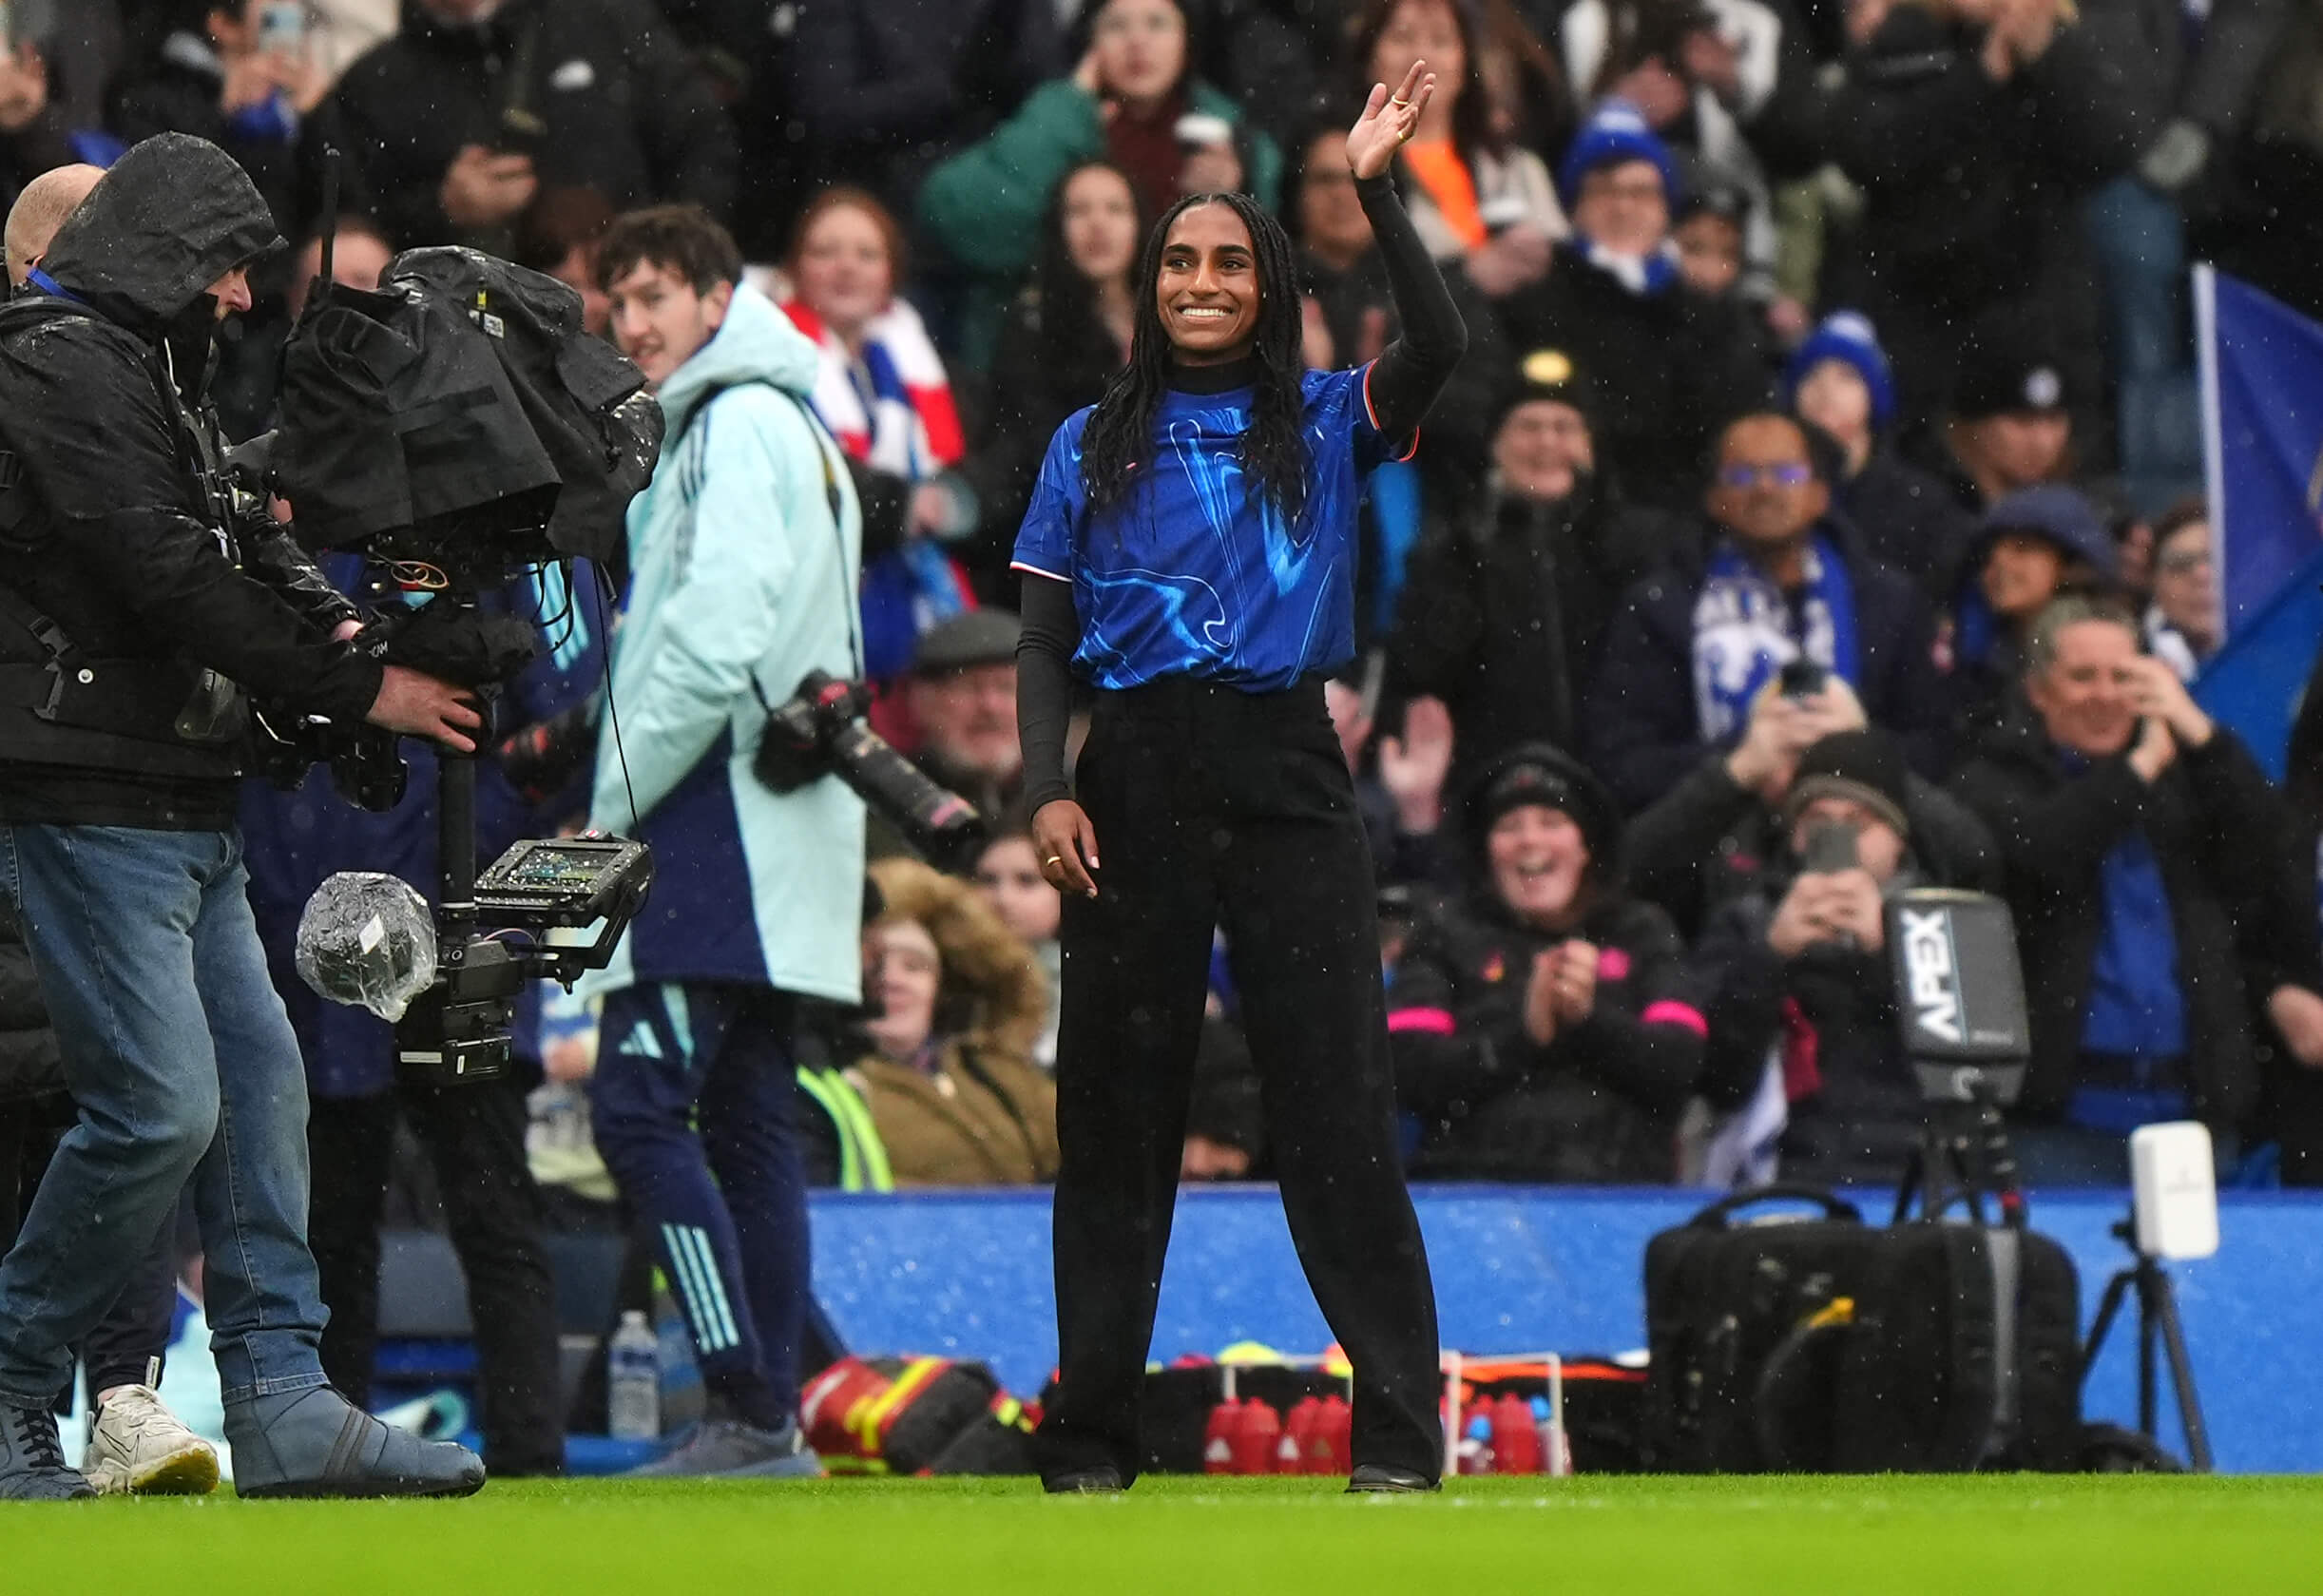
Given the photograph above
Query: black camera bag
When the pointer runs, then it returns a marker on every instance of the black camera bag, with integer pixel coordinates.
(1825, 1344)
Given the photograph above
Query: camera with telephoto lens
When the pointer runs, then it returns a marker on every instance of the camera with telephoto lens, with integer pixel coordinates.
(819, 731)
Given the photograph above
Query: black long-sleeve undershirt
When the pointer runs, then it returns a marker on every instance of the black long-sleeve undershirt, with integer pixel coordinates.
(1409, 374)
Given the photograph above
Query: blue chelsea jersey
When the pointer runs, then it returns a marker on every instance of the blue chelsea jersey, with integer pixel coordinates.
(1193, 572)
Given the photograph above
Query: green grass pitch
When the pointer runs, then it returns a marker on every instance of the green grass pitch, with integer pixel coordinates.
(1196, 1537)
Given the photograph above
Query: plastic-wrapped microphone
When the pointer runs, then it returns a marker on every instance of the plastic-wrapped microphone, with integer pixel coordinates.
(367, 941)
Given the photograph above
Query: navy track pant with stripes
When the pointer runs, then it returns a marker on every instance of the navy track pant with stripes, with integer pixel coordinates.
(693, 1114)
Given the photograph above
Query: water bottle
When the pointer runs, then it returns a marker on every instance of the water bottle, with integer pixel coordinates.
(633, 1381)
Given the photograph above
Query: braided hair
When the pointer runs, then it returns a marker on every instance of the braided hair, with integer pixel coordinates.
(1274, 453)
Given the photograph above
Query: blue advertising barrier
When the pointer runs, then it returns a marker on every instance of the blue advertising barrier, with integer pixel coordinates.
(1519, 1269)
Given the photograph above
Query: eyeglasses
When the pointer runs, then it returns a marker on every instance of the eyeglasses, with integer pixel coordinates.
(1790, 474)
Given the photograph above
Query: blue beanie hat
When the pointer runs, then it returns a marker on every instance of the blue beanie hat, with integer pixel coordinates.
(1616, 132)
(1847, 336)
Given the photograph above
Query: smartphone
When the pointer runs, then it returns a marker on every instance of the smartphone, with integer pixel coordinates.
(520, 132)
(1831, 848)
(1801, 678)
(283, 26)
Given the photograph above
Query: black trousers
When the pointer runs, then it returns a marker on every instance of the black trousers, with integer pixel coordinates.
(1216, 808)
(126, 1345)
(475, 1139)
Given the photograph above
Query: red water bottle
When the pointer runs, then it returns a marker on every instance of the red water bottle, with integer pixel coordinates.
(1335, 1439)
(1218, 1438)
(1297, 1437)
(1257, 1434)
(1516, 1438)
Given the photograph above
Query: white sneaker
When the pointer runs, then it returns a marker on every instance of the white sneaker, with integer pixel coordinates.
(141, 1448)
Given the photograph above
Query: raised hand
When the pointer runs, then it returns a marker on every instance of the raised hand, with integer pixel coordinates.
(1413, 767)
(1387, 122)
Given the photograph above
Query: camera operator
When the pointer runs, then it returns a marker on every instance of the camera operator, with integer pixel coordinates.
(745, 553)
(133, 612)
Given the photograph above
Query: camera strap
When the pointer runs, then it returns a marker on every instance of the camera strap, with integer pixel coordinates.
(851, 603)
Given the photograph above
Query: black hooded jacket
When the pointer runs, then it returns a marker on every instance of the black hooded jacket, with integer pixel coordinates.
(118, 588)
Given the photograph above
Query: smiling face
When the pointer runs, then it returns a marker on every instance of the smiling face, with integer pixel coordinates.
(906, 972)
(846, 274)
(1099, 219)
(1141, 49)
(1208, 289)
(1540, 447)
(1538, 858)
(2085, 695)
(658, 320)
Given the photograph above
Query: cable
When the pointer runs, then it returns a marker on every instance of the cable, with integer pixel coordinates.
(603, 585)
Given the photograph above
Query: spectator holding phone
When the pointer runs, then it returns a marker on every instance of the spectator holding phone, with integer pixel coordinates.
(237, 73)
(1782, 586)
(1804, 999)
(1131, 99)
(456, 123)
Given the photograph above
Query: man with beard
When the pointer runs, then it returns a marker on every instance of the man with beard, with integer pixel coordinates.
(962, 698)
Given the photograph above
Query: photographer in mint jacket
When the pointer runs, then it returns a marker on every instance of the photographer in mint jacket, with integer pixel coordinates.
(745, 552)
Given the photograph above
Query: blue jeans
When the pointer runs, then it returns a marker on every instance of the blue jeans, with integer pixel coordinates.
(183, 1065)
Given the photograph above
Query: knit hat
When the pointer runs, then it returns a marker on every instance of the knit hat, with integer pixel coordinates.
(1538, 773)
(2012, 364)
(1550, 376)
(1615, 133)
(1865, 767)
(1847, 336)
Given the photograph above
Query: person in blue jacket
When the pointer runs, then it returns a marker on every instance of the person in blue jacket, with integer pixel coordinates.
(745, 552)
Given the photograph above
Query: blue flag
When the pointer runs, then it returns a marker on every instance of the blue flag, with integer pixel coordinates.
(2262, 423)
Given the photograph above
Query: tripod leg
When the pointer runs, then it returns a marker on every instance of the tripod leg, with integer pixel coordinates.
(2164, 1303)
(2146, 1333)
(2108, 1306)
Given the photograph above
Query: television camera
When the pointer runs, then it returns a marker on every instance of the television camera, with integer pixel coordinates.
(458, 428)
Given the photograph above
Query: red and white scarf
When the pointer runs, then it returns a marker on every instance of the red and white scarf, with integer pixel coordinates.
(892, 406)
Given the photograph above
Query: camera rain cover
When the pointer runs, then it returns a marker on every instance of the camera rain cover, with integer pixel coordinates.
(462, 400)
(368, 941)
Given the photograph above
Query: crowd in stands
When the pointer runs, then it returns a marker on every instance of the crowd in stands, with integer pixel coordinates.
(1815, 512)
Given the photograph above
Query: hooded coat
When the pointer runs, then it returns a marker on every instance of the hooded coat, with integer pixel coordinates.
(745, 552)
(114, 539)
